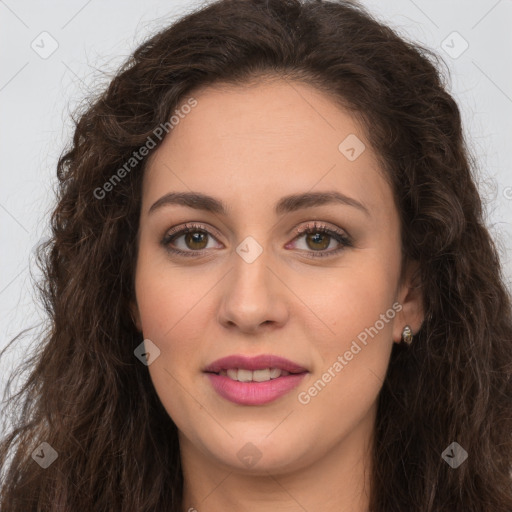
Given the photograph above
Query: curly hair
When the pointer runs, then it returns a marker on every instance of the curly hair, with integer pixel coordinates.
(92, 401)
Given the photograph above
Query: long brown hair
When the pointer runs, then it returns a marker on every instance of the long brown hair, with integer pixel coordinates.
(93, 402)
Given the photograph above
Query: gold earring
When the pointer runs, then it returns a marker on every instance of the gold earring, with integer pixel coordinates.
(407, 335)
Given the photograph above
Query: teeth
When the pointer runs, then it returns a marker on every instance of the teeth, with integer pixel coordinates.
(233, 373)
(243, 375)
(275, 372)
(261, 375)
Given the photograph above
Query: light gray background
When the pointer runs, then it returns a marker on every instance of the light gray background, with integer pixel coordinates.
(93, 37)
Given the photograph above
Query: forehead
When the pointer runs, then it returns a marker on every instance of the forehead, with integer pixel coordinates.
(262, 140)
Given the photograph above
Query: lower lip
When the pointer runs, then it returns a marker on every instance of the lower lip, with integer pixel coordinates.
(254, 393)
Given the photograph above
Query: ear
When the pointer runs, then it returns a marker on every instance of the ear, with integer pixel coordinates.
(134, 313)
(411, 298)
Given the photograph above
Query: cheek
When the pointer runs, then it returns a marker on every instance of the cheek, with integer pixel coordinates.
(352, 299)
(363, 297)
(171, 304)
(353, 355)
(353, 359)
(173, 317)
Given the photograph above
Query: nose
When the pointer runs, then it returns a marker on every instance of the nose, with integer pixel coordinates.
(254, 297)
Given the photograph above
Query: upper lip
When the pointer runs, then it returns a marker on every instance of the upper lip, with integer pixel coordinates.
(254, 363)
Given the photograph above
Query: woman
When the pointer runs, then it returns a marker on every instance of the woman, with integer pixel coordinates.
(270, 284)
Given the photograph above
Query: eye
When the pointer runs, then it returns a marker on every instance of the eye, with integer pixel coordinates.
(196, 238)
(318, 237)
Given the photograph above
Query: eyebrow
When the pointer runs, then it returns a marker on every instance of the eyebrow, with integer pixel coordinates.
(286, 204)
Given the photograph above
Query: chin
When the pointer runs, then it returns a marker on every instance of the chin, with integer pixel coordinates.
(256, 455)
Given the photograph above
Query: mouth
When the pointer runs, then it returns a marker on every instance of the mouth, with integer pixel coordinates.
(254, 380)
(254, 368)
(264, 375)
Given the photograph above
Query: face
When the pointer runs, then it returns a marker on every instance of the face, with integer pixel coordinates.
(246, 281)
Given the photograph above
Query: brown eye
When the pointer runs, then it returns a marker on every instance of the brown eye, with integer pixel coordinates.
(318, 238)
(189, 240)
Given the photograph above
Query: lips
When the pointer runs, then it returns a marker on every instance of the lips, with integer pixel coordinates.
(260, 362)
(254, 380)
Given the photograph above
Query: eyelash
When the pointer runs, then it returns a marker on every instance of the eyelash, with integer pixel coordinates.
(311, 228)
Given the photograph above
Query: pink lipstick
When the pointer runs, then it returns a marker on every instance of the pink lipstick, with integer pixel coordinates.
(254, 380)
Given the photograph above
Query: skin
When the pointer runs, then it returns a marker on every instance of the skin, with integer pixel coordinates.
(249, 146)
